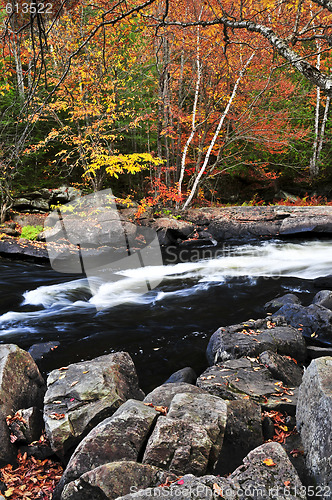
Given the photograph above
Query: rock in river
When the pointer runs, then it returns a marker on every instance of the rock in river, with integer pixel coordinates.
(253, 337)
(247, 378)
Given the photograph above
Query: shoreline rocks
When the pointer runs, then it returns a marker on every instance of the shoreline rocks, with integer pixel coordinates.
(192, 228)
(314, 420)
(116, 446)
(83, 394)
(21, 387)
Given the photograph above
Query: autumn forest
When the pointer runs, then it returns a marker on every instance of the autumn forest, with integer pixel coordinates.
(171, 103)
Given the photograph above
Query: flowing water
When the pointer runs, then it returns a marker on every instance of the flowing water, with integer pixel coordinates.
(167, 328)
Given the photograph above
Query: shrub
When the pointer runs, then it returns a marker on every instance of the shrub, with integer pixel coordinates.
(31, 232)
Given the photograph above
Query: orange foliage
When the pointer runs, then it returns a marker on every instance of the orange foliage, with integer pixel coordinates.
(32, 479)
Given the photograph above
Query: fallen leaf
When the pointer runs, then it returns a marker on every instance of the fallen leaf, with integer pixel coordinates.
(57, 416)
(287, 484)
(295, 452)
(161, 409)
(74, 383)
(269, 462)
(86, 371)
(9, 492)
(217, 489)
(63, 368)
(181, 481)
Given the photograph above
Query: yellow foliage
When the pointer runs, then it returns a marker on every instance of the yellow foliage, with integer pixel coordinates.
(118, 164)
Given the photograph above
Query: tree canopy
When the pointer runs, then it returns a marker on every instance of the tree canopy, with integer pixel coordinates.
(189, 96)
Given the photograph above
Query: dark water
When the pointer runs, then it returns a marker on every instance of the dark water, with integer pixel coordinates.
(166, 329)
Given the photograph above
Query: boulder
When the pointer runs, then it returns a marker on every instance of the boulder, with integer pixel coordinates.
(282, 368)
(169, 230)
(314, 419)
(306, 224)
(63, 194)
(121, 437)
(23, 249)
(164, 394)
(99, 230)
(185, 375)
(9, 231)
(253, 480)
(253, 337)
(277, 479)
(115, 479)
(247, 378)
(83, 394)
(243, 433)
(30, 205)
(323, 282)
(314, 320)
(318, 352)
(21, 386)
(38, 351)
(323, 298)
(189, 487)
(275, 304)
(237, 229)
(26, 219)
(189, 438)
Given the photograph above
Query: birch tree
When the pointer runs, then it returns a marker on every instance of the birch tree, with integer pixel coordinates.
(217, 132)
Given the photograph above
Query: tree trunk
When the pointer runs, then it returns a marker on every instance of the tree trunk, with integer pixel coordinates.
(220, 124)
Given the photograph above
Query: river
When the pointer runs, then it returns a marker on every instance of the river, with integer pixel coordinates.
(167, 328)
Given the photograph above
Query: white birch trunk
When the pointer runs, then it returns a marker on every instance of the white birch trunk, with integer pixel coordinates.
(18, 65)
(193, 120)
(216, 134)
(313, 162)
(322, 130)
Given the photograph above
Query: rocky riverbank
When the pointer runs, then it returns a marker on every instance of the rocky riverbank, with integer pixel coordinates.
(191, 229)
(257, 423)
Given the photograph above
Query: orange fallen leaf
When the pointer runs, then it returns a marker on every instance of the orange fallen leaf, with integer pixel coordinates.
(161, 409)
(287, 484)
(57, 416)
(217, 489)
(269, 462)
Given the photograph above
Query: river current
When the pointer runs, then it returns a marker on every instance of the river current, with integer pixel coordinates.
(167, 328)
